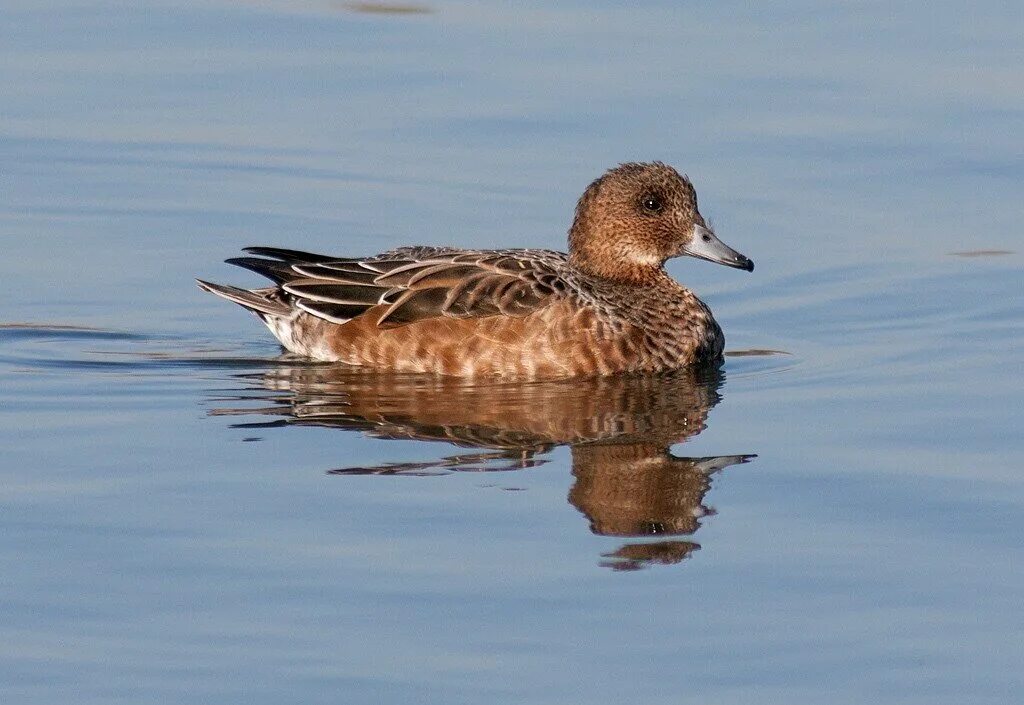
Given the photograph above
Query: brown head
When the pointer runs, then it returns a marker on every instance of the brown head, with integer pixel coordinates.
(636, 216)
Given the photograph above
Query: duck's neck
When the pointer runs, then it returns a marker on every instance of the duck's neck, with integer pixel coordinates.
(617, 268)
(608, 252)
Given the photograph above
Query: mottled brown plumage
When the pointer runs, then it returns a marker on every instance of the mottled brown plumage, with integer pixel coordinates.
(606, 307)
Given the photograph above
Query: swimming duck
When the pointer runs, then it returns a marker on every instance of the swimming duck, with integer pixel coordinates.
(607, 306)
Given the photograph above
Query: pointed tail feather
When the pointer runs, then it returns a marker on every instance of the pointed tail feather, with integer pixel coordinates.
(275, 270)
(289, 256)
(259, 301)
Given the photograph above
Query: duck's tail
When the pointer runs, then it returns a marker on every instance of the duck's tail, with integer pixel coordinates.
(263, 302)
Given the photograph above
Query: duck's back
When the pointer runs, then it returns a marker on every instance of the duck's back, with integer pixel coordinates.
(523, 313)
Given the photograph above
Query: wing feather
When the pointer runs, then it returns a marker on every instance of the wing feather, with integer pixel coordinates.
(337, 292)
(351, 276)
(274, 270)
(413, 283)
(335, 313)
(284, 255)
(414, 305)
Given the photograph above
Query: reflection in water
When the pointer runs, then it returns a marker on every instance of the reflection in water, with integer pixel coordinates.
(386, 8)
(982, 253)
(619, 430)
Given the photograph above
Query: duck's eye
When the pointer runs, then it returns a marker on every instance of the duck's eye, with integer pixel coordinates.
(651, 203)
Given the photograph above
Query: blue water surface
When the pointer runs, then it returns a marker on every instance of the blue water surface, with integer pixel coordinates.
(186, 516)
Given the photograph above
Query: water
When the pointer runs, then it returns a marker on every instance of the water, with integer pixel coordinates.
(188, 517)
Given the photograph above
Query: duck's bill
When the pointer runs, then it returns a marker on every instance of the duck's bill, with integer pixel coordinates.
(705, 245)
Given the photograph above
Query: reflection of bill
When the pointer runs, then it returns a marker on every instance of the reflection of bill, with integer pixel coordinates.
(637, 490)
(620, 429)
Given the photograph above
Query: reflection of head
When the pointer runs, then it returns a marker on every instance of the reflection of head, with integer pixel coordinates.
(620, 429)
(639, 490)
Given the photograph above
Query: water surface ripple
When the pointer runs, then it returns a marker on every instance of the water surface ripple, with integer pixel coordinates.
(835, 515)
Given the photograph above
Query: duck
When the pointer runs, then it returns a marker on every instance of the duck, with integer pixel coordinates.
(605, 307)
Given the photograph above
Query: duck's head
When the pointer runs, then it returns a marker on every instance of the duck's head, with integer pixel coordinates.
(636, 216)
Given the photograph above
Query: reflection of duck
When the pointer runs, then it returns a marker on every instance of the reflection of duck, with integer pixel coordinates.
(607, 306)
(619, 429)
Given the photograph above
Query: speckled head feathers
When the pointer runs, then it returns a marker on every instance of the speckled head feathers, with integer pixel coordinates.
(633, 218)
